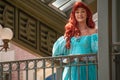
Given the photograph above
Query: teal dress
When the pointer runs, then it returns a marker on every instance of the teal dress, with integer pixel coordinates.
(82, 45)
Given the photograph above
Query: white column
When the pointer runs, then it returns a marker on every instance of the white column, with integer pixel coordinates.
(105, 39)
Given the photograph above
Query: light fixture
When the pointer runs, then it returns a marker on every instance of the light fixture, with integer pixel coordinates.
(6, 35)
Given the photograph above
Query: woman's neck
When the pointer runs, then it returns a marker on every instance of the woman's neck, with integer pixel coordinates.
(84, 29)
(82, 26)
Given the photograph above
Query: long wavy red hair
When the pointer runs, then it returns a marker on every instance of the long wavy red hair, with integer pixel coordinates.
(71, 28)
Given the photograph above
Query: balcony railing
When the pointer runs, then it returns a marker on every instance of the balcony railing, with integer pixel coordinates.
(46, 68)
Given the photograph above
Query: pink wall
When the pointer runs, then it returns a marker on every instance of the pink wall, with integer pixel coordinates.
(21, 54)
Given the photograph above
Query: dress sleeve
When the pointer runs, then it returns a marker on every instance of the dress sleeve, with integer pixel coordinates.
(94, 43)
(59, 48)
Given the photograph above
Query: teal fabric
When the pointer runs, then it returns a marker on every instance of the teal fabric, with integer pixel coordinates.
(59, 48)
(82, 45)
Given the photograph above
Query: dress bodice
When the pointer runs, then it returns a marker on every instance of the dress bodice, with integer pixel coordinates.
(84, 44)
(81, 45)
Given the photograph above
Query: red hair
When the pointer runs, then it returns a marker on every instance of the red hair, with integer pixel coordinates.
(71, 28)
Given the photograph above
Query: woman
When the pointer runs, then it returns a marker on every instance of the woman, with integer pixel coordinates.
(80, 37)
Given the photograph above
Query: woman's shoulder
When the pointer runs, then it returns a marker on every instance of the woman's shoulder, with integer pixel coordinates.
(93, 30)
(94, 34)
(60, 39)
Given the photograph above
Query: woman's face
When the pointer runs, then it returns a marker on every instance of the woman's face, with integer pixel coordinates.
(81, 15)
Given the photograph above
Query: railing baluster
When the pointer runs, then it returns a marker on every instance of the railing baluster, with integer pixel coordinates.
(70, 68)
(52, 67)
(87, 64)
(26, 70)
(78, 66)
(35, 71)
(44, 65)
(18, 70)
(61, 66)
(10, 71)
(1, 72)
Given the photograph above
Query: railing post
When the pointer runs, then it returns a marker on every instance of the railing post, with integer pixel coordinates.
(59, 73)
(1, 72)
